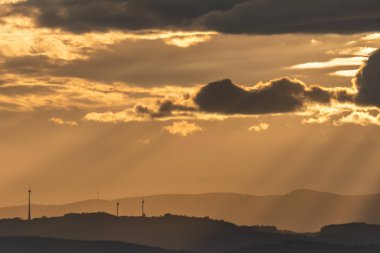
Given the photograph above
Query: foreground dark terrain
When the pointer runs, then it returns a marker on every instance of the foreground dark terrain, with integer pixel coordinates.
(47, 245)
(42, 245)
(101, 232)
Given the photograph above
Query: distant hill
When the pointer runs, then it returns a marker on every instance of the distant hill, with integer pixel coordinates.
(47, 245)
(301, 210)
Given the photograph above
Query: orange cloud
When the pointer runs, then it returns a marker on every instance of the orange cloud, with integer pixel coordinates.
(60, 121)
(183, 128)
(21, 36)
(259, 128)
(359, 118)
(336, 62)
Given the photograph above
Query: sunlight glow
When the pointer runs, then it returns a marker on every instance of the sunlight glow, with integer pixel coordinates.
(22, 37)
(356, 51)
(337, 62)
(345, 73)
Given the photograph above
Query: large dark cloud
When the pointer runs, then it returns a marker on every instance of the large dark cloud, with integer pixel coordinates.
(296, 16)
(164, 108)
(278, 96)
(226, 16)
(368, 81)
(84, 15)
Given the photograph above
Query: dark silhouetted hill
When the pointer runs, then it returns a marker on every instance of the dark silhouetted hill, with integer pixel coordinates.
(307, 247)
(169, 231)
(301, 210)
(353, 233)
(47, 245)
(194, 234)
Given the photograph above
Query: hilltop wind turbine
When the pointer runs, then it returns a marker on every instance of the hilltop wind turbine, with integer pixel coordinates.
(142, 208)
(29, 204)
(117, 209)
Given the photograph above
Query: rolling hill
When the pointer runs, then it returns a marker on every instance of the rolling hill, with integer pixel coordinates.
(180, 233)
(301, 210)
(169, 231)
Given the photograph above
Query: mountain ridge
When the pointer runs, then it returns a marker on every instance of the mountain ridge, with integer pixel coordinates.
(299, 210)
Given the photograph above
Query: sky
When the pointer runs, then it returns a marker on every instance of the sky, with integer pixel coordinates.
(141, 97)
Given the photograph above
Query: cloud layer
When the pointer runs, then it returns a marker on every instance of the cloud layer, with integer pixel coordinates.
(183, 128)
(287, 95)
(277, 96)
(368, 81)
(225, 16)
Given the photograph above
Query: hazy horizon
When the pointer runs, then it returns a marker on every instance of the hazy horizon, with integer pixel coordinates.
(104, 198)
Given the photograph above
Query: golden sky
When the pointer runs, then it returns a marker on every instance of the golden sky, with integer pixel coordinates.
(119, 103)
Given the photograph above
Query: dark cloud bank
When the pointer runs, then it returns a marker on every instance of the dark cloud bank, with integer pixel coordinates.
(225, 16)
(278, 96)
(368, 81)
(287, 95)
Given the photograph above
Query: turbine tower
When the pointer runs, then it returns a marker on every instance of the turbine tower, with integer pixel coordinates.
(117, 209)
(29, 202)
(142, 208)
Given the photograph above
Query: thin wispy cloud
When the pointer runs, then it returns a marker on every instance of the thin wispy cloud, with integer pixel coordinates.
(262, 126)
(337, 62)
(63, 122)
